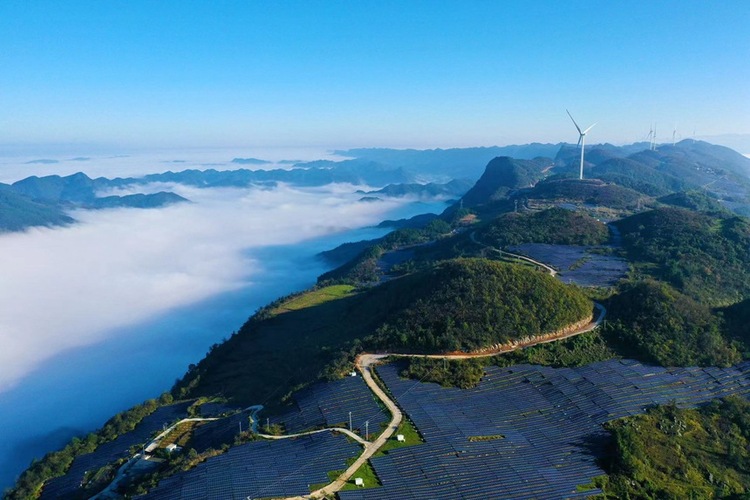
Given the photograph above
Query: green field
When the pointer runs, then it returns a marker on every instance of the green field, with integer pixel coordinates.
(314, 298)
(411, 438)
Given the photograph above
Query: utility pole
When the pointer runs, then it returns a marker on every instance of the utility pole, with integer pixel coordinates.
(240, 422)
(367, 430)
(350, 421)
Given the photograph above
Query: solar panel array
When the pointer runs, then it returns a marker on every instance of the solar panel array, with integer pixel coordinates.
(261, 469)
(328, 404)
(216, 433)
(64, 486)
(543, 427)
(596, 270)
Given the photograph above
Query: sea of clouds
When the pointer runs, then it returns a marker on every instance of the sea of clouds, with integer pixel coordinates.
(67, 287)
(107, 312)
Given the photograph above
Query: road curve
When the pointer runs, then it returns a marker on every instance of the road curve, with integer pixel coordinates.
(550, 270)
(366, 361)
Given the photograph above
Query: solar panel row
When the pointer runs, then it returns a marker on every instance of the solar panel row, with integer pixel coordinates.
(328, 404)
(588, 269)
(64, 486)
(215, 434)
(550, 423)
(261, 469)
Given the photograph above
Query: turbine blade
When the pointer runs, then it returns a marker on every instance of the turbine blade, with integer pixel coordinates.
(592, 126)
(574, 122)
(579, 140)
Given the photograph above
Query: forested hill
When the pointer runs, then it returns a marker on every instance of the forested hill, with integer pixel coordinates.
(620, 177)
(684, 166)
(501, 176)
(456, 305)
(703, 255)
(673, 452)
(466, 304)
(554, 225)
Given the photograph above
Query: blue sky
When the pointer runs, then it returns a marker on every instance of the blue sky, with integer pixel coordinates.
(357, 73)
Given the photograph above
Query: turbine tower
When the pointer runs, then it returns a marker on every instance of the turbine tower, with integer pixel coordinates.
(581, 140)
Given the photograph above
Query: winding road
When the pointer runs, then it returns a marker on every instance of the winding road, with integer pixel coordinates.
(365, 363)
(552, 271)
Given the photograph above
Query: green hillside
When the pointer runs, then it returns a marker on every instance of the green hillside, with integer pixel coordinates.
(679, 453)
(466, 304)
(554, 225)
(501, 176)
(737, 323)
(591, 191)
(705, 257)
(696, 200)
(652, 321)
(461, 304)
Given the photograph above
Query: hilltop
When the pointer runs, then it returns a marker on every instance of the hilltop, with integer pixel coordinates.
(456, 305)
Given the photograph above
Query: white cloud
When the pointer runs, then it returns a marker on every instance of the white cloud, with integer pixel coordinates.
(63, 288)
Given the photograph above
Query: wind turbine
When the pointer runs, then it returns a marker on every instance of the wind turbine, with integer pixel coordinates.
(581, 140)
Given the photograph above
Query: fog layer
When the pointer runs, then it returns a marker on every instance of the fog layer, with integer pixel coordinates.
(74, 286)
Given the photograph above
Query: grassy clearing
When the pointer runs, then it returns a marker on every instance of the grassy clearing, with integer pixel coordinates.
(367, 473)
(180, 435)
(476, 439)
(314, 298)
(411, 438)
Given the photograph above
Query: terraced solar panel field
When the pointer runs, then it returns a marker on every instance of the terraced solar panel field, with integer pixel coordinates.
(64, 486)
(328, 404)
(261, 469)
(576, 264)
(528, 431)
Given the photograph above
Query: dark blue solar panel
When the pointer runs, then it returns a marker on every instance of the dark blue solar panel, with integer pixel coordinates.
(595, 270)
(64, 486)
(215, 434)
(262, 469)
(329, 404)
(551, 420)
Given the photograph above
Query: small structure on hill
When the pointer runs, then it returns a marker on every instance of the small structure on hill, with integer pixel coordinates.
(173, 448)
(400, 438)
(358, 481)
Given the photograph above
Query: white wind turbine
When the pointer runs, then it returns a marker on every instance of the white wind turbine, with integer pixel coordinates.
(581, 139)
